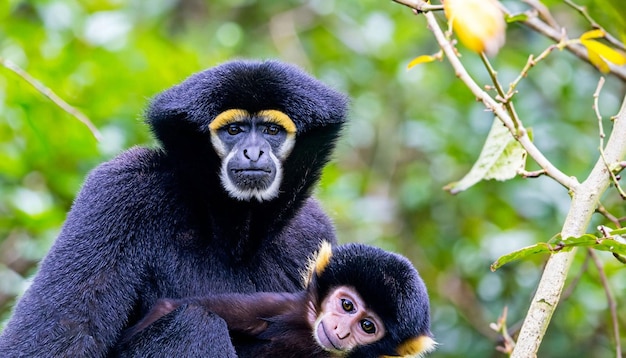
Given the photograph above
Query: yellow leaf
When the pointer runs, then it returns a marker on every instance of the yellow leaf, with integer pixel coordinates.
(420, 59)
(606, 52)
(593, 34)
(479, 24)
(597, 61)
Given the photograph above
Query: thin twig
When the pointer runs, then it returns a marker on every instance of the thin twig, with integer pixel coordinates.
(530, 63)
(543, 11)
(51, 95)
(556, 34)
(506, 100)
(519, 132)
(610, 301)
(606, 233)
(501, 327)
(610, 38)
(614, 178)
(596, 96)
(596, 109)
(610, 217)
(419, 5)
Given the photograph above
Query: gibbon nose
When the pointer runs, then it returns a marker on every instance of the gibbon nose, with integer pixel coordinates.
(253, 153)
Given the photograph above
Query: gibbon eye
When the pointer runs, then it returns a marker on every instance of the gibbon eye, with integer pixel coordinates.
(368, 326)
(233, 129)
(272, 129)
(347, 305)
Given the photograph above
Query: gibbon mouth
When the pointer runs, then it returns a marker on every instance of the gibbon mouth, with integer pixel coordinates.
(327, 337)
(251, 170)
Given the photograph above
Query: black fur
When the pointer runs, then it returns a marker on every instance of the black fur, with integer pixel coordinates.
(262, 324)
(155, 223)
(272, 324)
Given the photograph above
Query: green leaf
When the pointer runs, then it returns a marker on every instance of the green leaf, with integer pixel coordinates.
(586, 240)
(554, 245)
(515, 18)
(539, 248)
(501, 157)
(620, 231)
(597, 243)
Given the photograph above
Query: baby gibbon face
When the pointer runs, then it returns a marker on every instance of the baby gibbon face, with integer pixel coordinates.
(346, 322)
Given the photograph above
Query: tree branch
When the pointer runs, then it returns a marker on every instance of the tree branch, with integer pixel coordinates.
(585, 196)
(585, 200)
(419, 5)
(583, 11)
(52, 96)
(518, 131)
(535, 23)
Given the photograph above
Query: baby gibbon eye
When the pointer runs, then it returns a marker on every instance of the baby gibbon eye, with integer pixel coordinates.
(347, 305)
(368, 326)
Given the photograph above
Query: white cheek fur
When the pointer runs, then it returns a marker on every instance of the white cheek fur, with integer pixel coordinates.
(218, 145)
(287, 146)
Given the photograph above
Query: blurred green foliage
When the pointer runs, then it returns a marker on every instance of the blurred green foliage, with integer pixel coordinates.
(411, 133)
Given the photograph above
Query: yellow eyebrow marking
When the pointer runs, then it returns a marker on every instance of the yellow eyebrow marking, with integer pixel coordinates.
(280, 118)
(227, 117)
(269, 115)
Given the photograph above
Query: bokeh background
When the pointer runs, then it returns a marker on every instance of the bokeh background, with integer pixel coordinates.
(411, 132)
